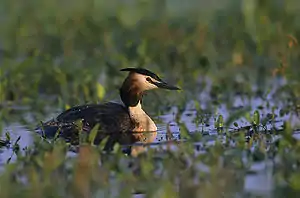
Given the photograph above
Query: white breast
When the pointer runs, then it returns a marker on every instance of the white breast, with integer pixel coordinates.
(144, 122)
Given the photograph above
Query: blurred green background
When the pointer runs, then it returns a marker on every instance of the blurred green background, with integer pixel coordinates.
(73, 50)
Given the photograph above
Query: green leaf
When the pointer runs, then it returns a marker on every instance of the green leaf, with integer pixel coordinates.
(184, 134)
(117, 148)
(236, 124)
(93, 133)
(103, 142)
(7, 135)
(67, 106)
(100, 91)
(256, 118)
(220, 122)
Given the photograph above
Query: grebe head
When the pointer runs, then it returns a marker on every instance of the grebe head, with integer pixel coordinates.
(146, 80)
(138, 81)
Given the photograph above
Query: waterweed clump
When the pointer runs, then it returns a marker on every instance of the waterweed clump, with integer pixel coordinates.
(51, 168)
(92, 172)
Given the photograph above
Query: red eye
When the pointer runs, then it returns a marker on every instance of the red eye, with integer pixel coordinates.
(148, 79)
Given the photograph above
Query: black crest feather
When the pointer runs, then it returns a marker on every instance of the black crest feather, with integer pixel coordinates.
(142, 71)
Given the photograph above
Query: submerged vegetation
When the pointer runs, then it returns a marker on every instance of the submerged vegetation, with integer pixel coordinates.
(237, 62)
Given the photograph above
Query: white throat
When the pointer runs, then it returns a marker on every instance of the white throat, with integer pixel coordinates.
(141, 118)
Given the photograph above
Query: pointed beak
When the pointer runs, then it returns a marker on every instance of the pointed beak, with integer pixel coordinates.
(164, 85)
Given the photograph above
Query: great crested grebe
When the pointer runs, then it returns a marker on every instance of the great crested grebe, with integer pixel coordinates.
(122, 123)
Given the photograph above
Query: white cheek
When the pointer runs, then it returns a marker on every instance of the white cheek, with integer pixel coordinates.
(150, 85)
(141, 80)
